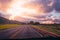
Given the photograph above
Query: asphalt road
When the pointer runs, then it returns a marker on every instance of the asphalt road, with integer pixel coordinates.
(21, 32)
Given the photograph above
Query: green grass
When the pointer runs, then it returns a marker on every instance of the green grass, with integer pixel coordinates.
(6, 26)
(51, 28)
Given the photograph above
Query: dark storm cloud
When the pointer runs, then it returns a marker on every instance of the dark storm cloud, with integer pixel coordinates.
(49, 5)
(57, 5)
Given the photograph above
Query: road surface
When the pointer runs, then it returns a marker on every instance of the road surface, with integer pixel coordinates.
(21, 32)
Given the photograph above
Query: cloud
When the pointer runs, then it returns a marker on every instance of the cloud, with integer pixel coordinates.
(4, 4)
(46, 5)
(5, 1)
(57, 5)
(45, 10)
(57, 21)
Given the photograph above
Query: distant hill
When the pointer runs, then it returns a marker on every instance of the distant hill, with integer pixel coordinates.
(3, 20)
(6, 21)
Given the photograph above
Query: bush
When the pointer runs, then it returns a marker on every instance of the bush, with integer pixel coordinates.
(36, 23)
(31, 22)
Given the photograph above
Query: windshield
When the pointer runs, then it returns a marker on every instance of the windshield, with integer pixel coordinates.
(24, 19)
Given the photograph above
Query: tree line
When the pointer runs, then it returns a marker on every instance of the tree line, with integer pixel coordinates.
(34, 23)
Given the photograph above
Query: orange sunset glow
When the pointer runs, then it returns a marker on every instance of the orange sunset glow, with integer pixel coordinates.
(29, 9)
(29, 19)
(17, 8)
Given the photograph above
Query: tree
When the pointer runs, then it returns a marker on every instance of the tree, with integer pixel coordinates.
(36, 23)
(31, 22)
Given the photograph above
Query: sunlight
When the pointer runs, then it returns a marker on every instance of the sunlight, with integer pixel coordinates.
(48, 22)
(17, 8)
(11, 17)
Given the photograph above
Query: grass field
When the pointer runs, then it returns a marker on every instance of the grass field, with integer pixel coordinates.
(6, 26)
(51, 28)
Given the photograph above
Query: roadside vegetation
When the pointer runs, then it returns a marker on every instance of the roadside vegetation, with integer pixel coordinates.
(6, 26)
(55, 28)
(5, 23)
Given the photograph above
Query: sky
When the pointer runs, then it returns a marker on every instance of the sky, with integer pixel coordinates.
(43, 11)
